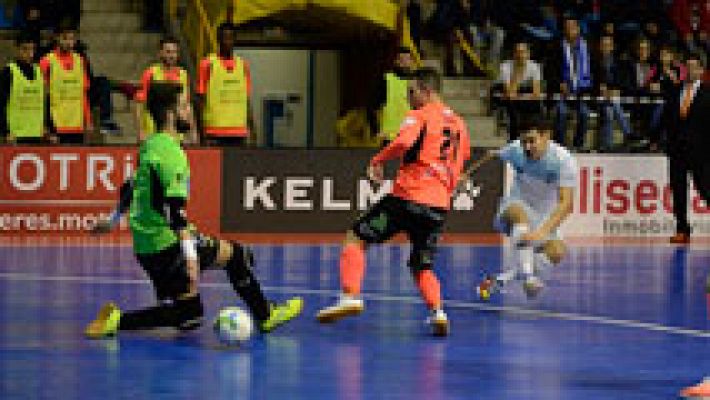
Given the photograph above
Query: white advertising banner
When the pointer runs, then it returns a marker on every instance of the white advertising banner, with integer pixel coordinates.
(629, 196)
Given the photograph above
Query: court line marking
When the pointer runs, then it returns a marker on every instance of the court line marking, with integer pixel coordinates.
(565, 316)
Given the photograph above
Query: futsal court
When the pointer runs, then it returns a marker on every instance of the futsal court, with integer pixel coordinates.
(616, 320)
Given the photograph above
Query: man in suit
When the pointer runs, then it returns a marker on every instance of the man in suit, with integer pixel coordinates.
(688, 143)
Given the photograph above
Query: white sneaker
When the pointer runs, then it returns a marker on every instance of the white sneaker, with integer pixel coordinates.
(532, 286)
(438, 322)
(345, 306)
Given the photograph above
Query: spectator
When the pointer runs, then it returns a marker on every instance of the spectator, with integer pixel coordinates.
(67, 78)
(692, 21)
(485, 27)
(391, 96)
(688, 144)
(540, 25)
(645, 114)
(520, 77)
(656, 24)
(569, 71)
(22, 108)
(224, 87)
(586, 12)
(609, 77)
(166, 70)
(608, 28)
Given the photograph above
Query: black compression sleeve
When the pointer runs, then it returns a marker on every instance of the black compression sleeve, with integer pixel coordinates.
(175, 213)
(125, 195)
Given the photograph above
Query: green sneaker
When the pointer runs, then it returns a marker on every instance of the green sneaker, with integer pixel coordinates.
(106, 322)
(282, 313)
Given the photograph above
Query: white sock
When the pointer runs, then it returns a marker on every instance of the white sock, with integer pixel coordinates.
(518, 230)
(524, 251)
(507, 276)
(526, 257)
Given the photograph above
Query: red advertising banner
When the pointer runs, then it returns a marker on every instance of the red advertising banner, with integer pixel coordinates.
(65, 190)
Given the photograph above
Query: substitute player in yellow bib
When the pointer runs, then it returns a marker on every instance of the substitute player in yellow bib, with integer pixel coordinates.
(224, 86)
(22, 108)
(65, 73)
(391, 96)
(167, 70)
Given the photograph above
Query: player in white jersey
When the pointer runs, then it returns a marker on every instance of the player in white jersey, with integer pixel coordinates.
(540, 199)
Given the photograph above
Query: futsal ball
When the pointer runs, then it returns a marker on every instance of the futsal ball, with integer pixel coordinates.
(233, 325)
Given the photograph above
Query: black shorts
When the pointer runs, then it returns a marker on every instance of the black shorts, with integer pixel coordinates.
(167, 269)
(391, 215)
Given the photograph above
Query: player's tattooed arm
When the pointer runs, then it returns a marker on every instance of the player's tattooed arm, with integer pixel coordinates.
(189, 250)
(125, 195)
(176, 217)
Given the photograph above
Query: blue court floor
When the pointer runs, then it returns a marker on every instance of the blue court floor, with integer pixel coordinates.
(614, 322)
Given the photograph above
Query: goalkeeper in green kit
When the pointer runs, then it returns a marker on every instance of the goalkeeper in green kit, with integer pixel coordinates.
(169, 250)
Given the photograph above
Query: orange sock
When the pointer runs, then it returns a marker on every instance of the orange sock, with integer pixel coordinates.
(352, 268)
(429, 288)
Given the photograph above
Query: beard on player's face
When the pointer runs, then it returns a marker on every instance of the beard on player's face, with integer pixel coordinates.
(182, 125)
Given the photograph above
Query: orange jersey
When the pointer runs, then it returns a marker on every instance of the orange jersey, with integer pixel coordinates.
(433, 144)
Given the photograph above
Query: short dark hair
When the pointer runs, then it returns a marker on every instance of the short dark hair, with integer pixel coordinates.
(696, 56)
(534, 121)
(162, 97)
(168, 40)
(404, 50)
(429, 78)
(22, 38)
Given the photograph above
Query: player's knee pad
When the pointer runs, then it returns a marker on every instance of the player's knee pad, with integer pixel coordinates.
(239, 267)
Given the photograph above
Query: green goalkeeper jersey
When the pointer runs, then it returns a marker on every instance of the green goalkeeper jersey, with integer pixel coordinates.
(163, 172)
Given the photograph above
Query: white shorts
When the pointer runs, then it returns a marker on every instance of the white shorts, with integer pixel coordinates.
(535, 218)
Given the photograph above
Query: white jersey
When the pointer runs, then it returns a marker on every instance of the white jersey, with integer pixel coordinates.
(536, 183)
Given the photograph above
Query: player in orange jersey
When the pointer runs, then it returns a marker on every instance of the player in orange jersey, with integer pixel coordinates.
(433, 145)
